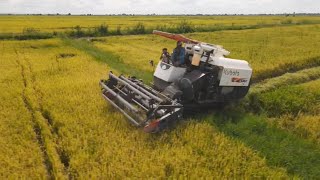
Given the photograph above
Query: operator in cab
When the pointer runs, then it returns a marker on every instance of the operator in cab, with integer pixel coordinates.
(178, 55)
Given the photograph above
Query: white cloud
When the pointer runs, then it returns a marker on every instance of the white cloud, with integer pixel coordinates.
(158, 6)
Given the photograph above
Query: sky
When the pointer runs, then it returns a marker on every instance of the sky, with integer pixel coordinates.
(159, 6)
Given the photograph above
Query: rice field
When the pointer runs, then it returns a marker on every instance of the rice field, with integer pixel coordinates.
(54, 123)
(268, 50)
(16, 23)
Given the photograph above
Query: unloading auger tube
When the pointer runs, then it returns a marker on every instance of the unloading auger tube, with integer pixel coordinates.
(139, 103)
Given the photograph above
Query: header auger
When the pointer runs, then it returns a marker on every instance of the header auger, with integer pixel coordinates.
(207, 79)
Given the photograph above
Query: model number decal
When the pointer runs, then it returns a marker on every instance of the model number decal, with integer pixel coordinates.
(230, 72)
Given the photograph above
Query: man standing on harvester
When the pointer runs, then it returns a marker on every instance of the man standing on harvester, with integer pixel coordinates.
(165, 56)
(178, 55)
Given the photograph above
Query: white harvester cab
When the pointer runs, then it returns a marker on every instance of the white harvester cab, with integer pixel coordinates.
(231, 72)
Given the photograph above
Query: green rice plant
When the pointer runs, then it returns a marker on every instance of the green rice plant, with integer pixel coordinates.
(304, 124)
(286, 100)
(185, 27)
(285, 80)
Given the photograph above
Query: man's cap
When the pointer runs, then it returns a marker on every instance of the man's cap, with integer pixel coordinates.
(164, 49)
(179, 43)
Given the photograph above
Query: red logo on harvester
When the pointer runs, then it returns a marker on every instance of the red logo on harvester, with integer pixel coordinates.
(239, 80)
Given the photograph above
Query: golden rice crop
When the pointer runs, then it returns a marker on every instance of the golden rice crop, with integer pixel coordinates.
(268, 50)
(54, 123)
(85, 137)
(16, 24)
(20, 154)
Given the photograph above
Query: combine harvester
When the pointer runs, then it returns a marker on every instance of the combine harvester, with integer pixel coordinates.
(210, 80)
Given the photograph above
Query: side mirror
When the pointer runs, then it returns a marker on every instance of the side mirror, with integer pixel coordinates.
(151, 63)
